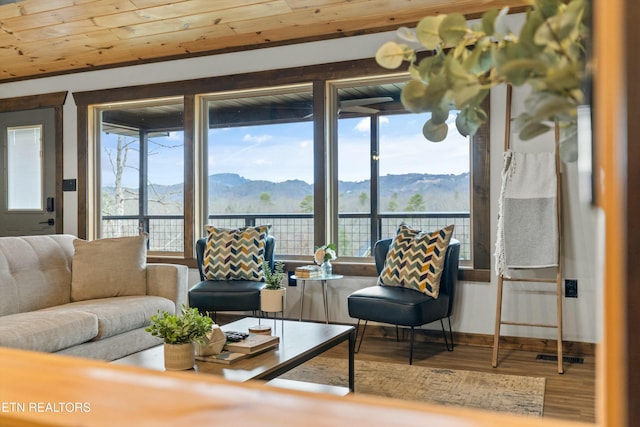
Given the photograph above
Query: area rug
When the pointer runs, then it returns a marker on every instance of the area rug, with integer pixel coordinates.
(495, 392)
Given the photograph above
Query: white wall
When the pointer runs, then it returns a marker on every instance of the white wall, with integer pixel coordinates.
(475, 303)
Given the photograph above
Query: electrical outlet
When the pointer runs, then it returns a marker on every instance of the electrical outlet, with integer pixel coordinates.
(292, 282)
(571, 288)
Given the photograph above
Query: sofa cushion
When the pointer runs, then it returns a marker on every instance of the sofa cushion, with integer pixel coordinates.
(235, 254)
(121, 314)
(47, 330)
(415, 260)
(109, 268)
(35, 272)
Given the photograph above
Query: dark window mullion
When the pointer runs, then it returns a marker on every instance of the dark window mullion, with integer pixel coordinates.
(374, 181)
(320, 163)
(143, 173)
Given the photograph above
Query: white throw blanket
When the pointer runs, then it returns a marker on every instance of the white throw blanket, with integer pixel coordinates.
(528, 216)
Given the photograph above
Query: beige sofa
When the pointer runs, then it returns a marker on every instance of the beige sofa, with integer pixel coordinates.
(60, 294)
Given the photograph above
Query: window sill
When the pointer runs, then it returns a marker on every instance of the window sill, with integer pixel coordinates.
(368, 269)
(364, 269)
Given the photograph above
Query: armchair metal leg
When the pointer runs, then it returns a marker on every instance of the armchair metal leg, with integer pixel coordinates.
(446, 342)
(411, 346)
(362, 336)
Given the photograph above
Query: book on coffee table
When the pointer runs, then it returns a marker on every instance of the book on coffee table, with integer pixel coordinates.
(254, 343)
(225, 357)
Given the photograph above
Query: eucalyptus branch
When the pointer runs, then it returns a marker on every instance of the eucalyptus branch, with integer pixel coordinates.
(467, 63)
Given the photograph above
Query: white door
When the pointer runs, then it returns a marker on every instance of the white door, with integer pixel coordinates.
(27, 182)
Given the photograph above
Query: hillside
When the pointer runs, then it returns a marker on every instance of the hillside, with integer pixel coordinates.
(232, 193)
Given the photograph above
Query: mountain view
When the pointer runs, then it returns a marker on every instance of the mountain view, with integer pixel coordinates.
(232, 193)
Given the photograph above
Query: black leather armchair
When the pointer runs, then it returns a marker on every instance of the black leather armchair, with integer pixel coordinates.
(228, 295)
(403, 306)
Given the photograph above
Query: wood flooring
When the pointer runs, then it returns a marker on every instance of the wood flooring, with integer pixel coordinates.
(569, 396)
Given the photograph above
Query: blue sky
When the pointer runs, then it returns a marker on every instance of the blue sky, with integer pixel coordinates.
(279, 152)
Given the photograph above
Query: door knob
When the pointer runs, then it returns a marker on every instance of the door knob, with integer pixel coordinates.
(50, 221)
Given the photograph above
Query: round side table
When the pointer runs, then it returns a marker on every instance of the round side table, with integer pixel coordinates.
(323, 280)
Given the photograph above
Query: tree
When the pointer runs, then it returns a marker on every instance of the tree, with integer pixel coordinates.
(416, 204)
(306, 205)
(392, 206)
(363, 197)
(119, 160)
(118, 164)
(265, 198)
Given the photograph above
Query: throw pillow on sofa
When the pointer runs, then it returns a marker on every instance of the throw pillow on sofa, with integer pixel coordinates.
(109, 268)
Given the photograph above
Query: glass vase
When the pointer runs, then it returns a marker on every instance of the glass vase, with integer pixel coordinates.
(326, 268)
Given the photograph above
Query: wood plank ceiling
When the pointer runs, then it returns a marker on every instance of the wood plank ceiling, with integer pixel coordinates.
(49, 37)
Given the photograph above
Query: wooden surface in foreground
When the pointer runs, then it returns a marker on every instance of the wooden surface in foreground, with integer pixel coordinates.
(123, 395)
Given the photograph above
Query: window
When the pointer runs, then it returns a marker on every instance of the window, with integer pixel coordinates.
(322, 160)
(389, 174)
(140, 153)
(24, 168)
(259, 146)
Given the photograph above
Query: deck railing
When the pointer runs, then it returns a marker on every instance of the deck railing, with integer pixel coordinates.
(294, 232)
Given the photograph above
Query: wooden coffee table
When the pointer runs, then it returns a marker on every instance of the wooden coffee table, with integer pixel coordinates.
(299, 342)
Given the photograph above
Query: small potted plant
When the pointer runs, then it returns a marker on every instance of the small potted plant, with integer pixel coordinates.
(272, 295)
(179, 332)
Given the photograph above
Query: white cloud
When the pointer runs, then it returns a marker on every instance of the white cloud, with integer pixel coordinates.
(363, 125)
(257, 138)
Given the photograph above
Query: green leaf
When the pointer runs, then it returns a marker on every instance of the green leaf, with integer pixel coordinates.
(427, 31)
(470, 119)
(435, 132)
(390, 55)
(406, 34)
(453, 28)
(562, 28)
(488, 19)
(529, 28)
(480, 59)
(419, 97)
(514, 63)
(547, 106)
(571, 20)
(501, 24)
(414, 97)
(465, 124)
(532, 130)
(548, 7)
(428, 66)
(568, 145)
(456, 73)
(562, 78)
(465, 95)
(440, 114)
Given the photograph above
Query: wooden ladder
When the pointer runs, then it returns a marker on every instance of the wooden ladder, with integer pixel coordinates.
(558, 279)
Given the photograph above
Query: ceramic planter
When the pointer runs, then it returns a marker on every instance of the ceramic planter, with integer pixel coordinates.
(272, 300)
(178, 357)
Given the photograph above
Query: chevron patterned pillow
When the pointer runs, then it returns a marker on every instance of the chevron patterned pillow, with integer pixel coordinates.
(415, 260)
(235, 254)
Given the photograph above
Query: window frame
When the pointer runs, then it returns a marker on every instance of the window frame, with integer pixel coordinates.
(95, 158)
(203, 101)
(376, 213)
(318, 75)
